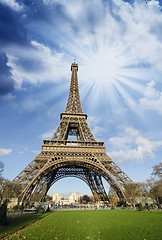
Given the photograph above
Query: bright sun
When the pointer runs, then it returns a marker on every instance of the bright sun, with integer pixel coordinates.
(112, 72)
(106, 64)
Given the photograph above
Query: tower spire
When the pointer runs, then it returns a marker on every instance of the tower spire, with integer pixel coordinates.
(73, 103)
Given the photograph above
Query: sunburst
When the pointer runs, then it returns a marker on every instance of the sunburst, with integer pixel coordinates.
(112, 73)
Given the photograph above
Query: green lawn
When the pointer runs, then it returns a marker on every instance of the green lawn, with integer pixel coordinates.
(97, 224)
(20, 222)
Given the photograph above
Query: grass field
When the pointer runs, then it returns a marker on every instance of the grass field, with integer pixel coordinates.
(97, 224)
(20, 222)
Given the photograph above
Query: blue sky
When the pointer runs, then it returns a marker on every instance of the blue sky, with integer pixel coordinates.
(118, 47)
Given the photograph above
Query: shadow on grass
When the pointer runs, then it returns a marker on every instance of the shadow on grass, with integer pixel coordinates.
(20, 222)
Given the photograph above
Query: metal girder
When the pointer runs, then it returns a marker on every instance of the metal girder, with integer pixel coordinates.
(74, 104)
(45, 176)
(84, 158)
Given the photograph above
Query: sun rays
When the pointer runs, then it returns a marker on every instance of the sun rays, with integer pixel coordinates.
(112, 76)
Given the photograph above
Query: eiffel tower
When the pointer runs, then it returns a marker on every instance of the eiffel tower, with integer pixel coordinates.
(60, 157)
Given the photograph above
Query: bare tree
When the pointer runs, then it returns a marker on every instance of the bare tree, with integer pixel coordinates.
(1, 170)
(155, 189)
(9, 189)
(113, 198)
(132, 192)
(157, 171)
(155, 184)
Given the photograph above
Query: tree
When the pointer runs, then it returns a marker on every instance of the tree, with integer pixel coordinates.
(157, 171)
(85, 199)
(113, 201)
(142, 190)
(155, 190)
(155, 184)
(113, 198)
(140, 206)
(132, 192)
(151, 188)
(48, 198)
(1, 170)
(9, 189)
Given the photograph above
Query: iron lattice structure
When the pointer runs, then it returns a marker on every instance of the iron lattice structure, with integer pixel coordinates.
(84, 158)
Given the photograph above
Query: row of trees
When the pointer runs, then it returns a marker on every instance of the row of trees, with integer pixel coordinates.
(8, 189)
(152, 188)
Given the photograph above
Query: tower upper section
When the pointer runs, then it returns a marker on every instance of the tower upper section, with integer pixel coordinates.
(73, 103)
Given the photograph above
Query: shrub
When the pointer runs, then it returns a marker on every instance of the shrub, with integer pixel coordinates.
(140, 207)
(15, 207)
(39, 209)
(112, 206)
(20, 207)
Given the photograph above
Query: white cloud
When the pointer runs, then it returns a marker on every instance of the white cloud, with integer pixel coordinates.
(76, 11)
(43, 65)
(36, 151)
(132, 146)
(44, 50)
(12, 4)
(15, 70)
(20, 152)
(98, 131)
(23, 151)
(4, 151)
(152, 99)
(31, 104)
(48, 134)
(9, 96)
(136, 27)
(95, 126)
(104, 38)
